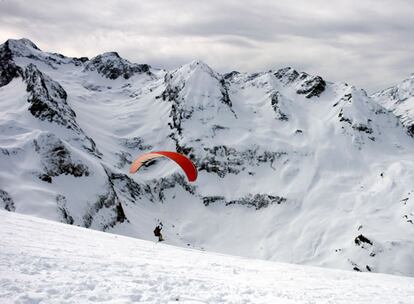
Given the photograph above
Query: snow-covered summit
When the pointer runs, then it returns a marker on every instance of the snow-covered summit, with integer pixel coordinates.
(195, 66)
(401, 91)
(24, 52)
(400, 100)
(22, 47)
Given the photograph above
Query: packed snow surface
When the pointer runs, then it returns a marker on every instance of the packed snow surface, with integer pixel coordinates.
(48, 262)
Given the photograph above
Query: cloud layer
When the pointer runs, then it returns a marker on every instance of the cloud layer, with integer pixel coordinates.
(367, 43)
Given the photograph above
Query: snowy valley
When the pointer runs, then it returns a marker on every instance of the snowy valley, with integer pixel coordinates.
(292, 168)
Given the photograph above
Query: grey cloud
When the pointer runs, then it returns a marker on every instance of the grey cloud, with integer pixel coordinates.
(367, 43)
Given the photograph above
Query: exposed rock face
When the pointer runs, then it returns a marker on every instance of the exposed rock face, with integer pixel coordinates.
(362, 128)
(225, 92)
(48, 102)
(6, 202)
(310, 86)
(127, 187)
(229, 76)
(275, 100)
(223, 160)
(56, 158)
(48, 99)
(8, 69)
(154, 190)
(105, 212)
(135, 143)
(160, 186)
(179, 111)
(360, 239)
(410, 130)
(112, 66)
(61, 203)
(287, 75)
(257, 201)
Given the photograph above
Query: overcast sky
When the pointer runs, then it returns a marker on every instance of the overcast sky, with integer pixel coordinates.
(368, 43)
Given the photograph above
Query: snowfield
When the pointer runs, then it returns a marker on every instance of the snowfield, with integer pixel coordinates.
(43, 261)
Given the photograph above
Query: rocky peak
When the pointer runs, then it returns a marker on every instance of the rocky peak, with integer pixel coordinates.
(112, 66)
(305, 84)
(8, 69)
(287, 75)
(231, 75)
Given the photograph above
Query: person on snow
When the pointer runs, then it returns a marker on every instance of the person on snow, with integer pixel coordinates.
(157, 232)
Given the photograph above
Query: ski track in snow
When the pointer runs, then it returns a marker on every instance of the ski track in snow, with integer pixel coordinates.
(48, 262)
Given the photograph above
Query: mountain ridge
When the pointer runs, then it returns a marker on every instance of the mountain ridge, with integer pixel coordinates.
(292, 167)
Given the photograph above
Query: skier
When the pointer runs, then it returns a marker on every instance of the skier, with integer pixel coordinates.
(157, 232)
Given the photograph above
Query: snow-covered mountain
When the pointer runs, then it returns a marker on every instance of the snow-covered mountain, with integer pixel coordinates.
(49, 262)
(400, 100)
(292, 167)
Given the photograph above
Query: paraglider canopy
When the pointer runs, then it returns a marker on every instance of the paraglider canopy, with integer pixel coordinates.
(186, 165)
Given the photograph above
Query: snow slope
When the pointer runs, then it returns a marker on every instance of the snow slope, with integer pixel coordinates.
(48, 262)
(292, 167)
